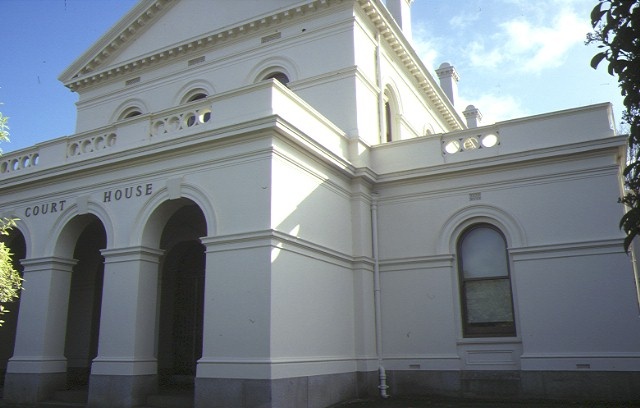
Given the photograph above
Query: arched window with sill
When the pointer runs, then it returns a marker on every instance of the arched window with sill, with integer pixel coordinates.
(485, 283)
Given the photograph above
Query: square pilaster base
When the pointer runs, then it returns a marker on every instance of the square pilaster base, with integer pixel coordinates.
(120, 391)
(314, 392)
(30, 388)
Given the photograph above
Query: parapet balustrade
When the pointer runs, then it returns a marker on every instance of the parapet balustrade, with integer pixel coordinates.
(172, 122)
(267, 99)
(23, 159)
(468, 141)
(91, 143)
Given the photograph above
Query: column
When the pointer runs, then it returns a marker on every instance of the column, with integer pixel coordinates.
(125, 371)
(38, 366)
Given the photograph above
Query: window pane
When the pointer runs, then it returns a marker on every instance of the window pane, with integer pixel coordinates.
(483, 254)
(488, 301)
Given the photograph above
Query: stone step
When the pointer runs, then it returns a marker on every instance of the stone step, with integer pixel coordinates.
(61, 404)
(173, 399)
(73, 396)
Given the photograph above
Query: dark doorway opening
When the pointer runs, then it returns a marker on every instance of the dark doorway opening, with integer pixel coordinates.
(181, 298)
(85, 301)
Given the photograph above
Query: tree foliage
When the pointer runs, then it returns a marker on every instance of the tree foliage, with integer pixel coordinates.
(616, 25)
(10, 280)
(4, 129)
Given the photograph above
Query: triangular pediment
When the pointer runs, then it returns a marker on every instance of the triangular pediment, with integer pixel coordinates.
(153, 26)
(159, 30)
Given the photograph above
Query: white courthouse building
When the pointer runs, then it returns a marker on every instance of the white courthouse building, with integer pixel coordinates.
(273, 203)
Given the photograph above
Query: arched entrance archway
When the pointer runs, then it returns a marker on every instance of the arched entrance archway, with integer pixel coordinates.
(85, 298)
(181, 296)
(16, 243)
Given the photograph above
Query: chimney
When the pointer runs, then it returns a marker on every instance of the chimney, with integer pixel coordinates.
(473, 116)
(401, 12)
(448, 81)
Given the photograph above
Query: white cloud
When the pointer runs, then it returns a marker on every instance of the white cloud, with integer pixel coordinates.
(541, 47)
(426, 46)
(530, 44)
(494, 108)
(460, 21)
(482, 58)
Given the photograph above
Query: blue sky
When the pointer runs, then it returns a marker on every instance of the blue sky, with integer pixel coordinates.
(514, 57)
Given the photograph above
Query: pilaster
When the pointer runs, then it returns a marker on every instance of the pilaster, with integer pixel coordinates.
(38, 366)
(124, 372)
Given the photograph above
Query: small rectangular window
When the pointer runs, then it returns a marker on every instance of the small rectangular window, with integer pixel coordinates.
(271, 37)
(196, 61)
(132, 81)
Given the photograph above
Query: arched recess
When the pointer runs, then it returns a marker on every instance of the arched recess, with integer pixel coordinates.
(161, 206)
(180, 223)
(277, 68)
(192, 91)
(456, 223)
(129, 109)
(69, 225)
(17, 244)
(391, 113)
(455, 227)
(82, 238)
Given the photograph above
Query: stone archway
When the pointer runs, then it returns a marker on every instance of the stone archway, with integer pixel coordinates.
(17, 245)
(182, 299)
(85, 299)
(181, 310)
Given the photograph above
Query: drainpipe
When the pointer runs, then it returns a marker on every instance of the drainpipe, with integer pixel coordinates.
(376, 297)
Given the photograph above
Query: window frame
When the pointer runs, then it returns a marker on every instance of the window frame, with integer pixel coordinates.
(491, 329)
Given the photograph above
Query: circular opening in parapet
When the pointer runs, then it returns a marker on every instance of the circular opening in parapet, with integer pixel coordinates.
(452, 147)
(205, 115)
(471, 143)
(490, 140)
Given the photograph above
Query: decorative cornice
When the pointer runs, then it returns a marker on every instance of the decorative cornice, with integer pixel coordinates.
(391, 33)
(85, 73)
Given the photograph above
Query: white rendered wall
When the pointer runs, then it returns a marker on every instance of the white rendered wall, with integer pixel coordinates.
(574, 291)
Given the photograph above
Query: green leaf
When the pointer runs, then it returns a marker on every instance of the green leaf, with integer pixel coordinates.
(596, 14)
(597, 59)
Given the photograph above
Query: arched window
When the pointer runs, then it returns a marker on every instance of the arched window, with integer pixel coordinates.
(388, 121)
(389, 128)
(485, 283)
(194, 94)
(278, 76)
(197, 97)
(130, 113)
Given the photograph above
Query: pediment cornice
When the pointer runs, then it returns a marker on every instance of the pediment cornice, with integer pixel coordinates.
(88, 70)
(109, 44)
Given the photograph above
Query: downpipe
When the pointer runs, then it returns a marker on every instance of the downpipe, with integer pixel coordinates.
(382, 374)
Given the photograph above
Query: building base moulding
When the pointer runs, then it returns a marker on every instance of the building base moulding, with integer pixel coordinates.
(29, 388)
(313, 392)
(120, 391)
(553, 385)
